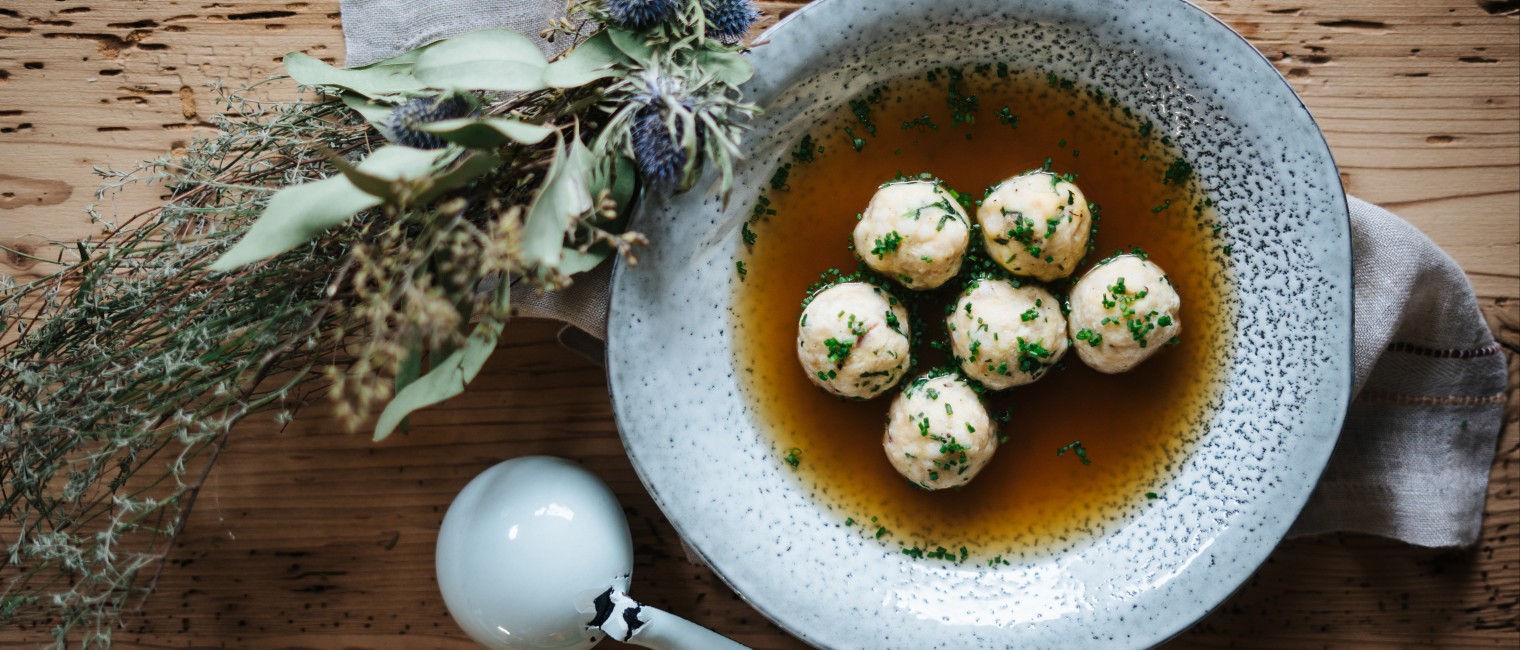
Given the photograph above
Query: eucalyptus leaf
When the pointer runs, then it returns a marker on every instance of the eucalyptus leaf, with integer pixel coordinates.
(445, 379)
(594, 58)
(564, 196)
(621, 177)
(574, 261)
(411, 368)
(473, 166)
(416, 188)
(404, 59)
(383, 188)
(388, 170)
(728, 67)
(373, 112)
(298, 213)
(487, 133)
(387, 78)
(632, 45)
(295, 215)
(489, 59)
(398, 163)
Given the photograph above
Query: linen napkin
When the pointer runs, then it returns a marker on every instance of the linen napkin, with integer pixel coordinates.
(1413, 458)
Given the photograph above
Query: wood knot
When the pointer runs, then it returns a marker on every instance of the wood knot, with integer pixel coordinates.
(18, 256)
(19, 192)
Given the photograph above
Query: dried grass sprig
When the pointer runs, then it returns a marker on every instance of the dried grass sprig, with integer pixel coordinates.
(132, 357)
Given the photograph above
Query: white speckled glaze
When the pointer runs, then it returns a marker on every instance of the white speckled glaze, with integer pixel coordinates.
(699, 447)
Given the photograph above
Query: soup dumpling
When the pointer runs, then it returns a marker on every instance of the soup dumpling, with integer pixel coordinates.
(1036, 225)
(938, 433)
(853, 340)
(1006, 336)
(913, 232)
(1123, 311)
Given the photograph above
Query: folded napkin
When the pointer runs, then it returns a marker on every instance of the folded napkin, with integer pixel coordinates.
(1413, 458)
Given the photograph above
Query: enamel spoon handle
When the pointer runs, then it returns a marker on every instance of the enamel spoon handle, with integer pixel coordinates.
(624, 619)
(665, 631)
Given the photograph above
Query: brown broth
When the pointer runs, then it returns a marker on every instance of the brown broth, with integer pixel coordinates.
(1132, 425)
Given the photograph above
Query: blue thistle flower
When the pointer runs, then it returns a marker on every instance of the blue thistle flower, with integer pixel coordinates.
(657, 148)
(401, 126)
(729, 20)
(641, 14)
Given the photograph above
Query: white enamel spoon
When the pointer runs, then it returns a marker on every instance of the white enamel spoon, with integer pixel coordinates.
(535, 553)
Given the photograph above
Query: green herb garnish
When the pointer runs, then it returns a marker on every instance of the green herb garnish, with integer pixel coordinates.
(1077, 447)
(887, 244)
(794, 457)
(838, 351)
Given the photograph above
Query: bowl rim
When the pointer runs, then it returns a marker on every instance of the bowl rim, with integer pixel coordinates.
(1258, 555)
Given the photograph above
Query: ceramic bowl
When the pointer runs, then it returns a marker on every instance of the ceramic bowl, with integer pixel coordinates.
(699, 445)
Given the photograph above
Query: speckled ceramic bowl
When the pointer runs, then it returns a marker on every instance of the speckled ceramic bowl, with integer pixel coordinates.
(701, 450)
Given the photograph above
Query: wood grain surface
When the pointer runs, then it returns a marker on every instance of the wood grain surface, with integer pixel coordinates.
(308, 537)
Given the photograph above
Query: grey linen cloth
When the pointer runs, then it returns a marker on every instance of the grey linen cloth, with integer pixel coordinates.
(1413, 458)
(1414, 454)
(380, 29)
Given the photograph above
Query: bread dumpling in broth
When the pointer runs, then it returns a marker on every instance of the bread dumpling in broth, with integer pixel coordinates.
(938, 433)
(913, 232)
(1123, 311)
(853, 340)
(1004, 335)
(1036, 225)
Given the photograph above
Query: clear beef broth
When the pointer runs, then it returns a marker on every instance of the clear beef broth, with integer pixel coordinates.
(1028, 497)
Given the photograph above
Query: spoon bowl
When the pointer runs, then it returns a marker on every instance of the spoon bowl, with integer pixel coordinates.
(522, 544)
(535, 553)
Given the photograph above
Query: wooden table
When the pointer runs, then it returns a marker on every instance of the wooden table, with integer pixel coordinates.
(308, 537)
